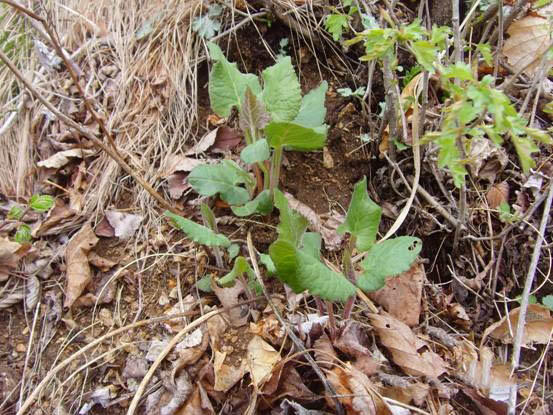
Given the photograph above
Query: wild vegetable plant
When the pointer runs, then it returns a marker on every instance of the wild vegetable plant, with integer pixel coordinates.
(38, 203)
(475, 108)
(297, 258)
(273, 116)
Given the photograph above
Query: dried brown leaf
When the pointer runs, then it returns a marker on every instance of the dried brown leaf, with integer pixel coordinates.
(76, 259)
(485, 405)
(227, 138)
(63, 157)
(204, 144)
(226, 375)
(401, 296)
(103, 264)
(57, 217)
(538, 327)
(498, 194)
(408, 351)
(262, 358)
(229, 298)
(528, 40)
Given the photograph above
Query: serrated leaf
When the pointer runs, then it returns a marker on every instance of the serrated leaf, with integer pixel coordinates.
(23, 234)
(313, 111)
(205, 26)
(281, 90)
(196, 232)
(295, 136)
(41, 203)
(262, 204)
(362, 218)
(387, 259)
(459, 71)
(223, 178)
(227, 85)
(486, 52)
(539, 135)
(524, 148)
(547, 301)
(426, 54)
(253, 116)
(301, 271)
(256, 152)
(292, 225)
(335, 25)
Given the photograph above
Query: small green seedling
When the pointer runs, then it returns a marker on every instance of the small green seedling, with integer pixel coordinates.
(347, 92)
(208, 25)
(272, 118)
(38, 203)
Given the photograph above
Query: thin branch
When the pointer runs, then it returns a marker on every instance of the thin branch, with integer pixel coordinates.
(517, 343)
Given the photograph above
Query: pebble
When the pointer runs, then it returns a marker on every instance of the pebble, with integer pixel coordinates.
(21, 348)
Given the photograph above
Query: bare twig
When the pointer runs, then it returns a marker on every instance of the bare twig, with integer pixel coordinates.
(297, 342)
(517, 343)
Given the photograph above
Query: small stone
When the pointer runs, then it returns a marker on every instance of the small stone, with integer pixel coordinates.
(21, 348)
(163, 299)
(174, 294)
(328, 161)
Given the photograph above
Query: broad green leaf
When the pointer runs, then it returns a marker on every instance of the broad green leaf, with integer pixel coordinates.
(223, 178)
(547, 301)
(458, 71)
(208, 216)
(336, 24)
(262, 204)
(204, 284)
(198, 233)
(295, 136)
(253, 116)
(486, 52)
(281, 90)
(292, 225)
(450, 157)
(539, 135)
(15, 213)
(41, 203)
(23, 234)
(240, 267)
(388, 259)
(256, 152)
(524, 148)
(312, 242)
(266, 260)
(301, 271)
(426, 54)
(233, 250)
(313, 111)
(363, 217)
(227, 85)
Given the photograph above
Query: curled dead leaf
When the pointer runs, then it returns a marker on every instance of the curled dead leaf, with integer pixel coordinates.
(262, 358)
(498, 194)
(78, 272)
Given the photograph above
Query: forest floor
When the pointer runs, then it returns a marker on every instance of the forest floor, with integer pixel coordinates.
(88, 302)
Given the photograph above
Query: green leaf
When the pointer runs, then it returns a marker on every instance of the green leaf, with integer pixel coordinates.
(387, 259)
(196, 232)
(233, 250)
(227, 85)
(253, 116)
(425, 53)
(312, 242)
(301, 271)
(335, 24)
(240, 267)
(23, 234)
(539, 135)
(41, 203)
(204, 284)
(486, 52)
(262, 204)
(256, 152)
(15, 213)
(524, 148)
(268, 263)
(547, 301)
(458, 71)
(205, 26)
(281, 90)
(208, 216)
(362, 218)
(295, 136)
(223, 178)
(313, 111)
(292, 225)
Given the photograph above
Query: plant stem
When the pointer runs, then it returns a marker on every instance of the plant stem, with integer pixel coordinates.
(275, 168)
(347, 265)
